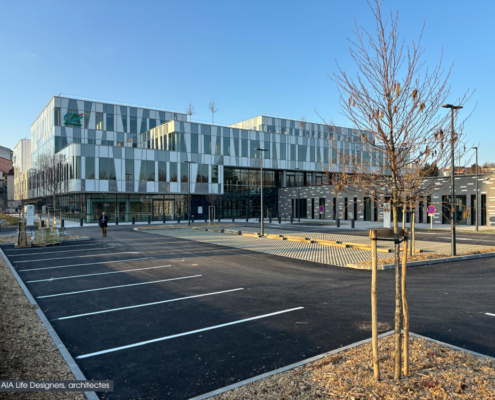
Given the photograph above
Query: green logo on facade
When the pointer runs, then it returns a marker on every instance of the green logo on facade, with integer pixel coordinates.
(73, 119)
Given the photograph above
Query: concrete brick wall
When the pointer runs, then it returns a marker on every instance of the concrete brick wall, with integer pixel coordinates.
(464, 186)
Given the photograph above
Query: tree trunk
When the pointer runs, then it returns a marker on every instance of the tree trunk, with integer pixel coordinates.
(397, 349)
(404, 307)
(374, 317)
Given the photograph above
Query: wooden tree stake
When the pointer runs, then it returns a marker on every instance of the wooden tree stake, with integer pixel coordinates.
(374, 317)
(405, 311)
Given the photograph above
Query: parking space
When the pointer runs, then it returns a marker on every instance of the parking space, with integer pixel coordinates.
(166, 317)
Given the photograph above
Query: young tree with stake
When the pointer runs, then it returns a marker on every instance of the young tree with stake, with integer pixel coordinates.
(395, 102)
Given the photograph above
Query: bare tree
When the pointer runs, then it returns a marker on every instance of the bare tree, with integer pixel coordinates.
(213, 109)
(190, 111)
(394, 102)
(52, 172)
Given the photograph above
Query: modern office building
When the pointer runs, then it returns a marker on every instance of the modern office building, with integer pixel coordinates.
(141, 162)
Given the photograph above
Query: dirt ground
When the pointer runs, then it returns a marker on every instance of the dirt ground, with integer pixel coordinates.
(437, 372)
(27, 352)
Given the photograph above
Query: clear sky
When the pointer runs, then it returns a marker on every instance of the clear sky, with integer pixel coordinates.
(252, 57)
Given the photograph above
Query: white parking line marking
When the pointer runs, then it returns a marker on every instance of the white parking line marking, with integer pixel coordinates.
(185, 333)
(102, 273)
(116, 287)
(148, 304)
(65, 245)
(78, 265)
(89, 255)
(62, 251)
(491, 315)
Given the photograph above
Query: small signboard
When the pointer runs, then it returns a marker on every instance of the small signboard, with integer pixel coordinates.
(431, 210)
(387, 221)
(29, 209)
(322, 209)
(200, 209)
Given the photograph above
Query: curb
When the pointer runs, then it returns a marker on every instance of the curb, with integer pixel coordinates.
(452, 346)
(67, 240)
(318, 357)
(60, 346)
(286, 368)
(426, 262)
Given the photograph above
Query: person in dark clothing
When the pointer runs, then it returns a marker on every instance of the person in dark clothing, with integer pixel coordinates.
(103, 224)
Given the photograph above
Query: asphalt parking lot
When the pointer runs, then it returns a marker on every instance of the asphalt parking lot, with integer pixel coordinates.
(171, 318)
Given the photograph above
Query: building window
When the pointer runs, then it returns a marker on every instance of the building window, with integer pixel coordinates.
(207, 142)
(226, 146)
(293, 152)
(142, 172)
(124, 123)
(152, 123)
(184, 173)
(194, 143)
(87, 116)
(202, 175)
(214, 174)
(110, 126)
(173, 172)
(90, 168)
(129, 170)
(283, 151)
(57, 116)
(133, 127)
(244, 145)
(103, 168)
(162, 171)
(144, 125)
(99, 121)
(150, 171)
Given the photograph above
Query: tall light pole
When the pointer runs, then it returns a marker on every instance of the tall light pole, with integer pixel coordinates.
(476, 198)
(261, 156)
(298, 208)
(189, 191)
(452, 148)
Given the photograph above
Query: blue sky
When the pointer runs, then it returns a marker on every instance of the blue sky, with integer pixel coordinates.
(252, 57)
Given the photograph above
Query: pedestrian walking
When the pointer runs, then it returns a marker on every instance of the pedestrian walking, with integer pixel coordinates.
(103, 221)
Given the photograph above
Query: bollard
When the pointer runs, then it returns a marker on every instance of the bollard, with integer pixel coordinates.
(338, 222)
(270, 219)
(133, 220)
(291, 219)
(352, 223)
(63, 223)
(178, 218)
(149, 219)
(206, 219)
(279, 219)
(192, 219)
(218, 219)
(116, 221)
(233, 219)
(43, 223)
(164, 219)
(247, 219)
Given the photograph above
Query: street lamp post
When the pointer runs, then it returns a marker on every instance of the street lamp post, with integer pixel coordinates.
(452, 208)
(298, 208)
(261, 156)
(476, 198)
(189, 191)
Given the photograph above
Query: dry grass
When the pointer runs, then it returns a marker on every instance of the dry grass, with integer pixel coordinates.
(11, 220)
(26, 349)
(437, 372)
(13, 239)
(426, 256)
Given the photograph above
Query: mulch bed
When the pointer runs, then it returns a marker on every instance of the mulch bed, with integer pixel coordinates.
(425, 256)
(437, 372)
(27, 352)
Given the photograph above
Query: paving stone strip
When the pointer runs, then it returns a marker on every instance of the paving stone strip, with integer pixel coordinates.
(338, 256)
